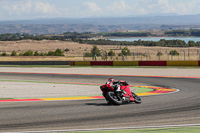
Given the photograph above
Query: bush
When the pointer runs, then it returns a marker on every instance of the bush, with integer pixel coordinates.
(159, 53)
(58, 52)
(28, 53)
(66, 50)
(125, 51)
(88, 54)
(43, 54)
(50, 53)
(21, 54)
(4, 54)
(173, 52)
(36, 53)
(95, 51)
(14, 53)
(120, 54)
(111, 53)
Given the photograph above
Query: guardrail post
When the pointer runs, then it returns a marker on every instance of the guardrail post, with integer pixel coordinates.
(146, 56)
(95, 57)
(184, 54)
(133, 56)
(123, 58)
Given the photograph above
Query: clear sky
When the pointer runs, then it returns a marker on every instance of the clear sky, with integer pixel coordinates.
(31, 9)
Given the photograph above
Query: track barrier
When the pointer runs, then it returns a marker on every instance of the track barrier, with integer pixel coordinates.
(104, 63)
(135, 63)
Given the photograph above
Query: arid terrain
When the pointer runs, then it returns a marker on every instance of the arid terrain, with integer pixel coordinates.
(76, 51)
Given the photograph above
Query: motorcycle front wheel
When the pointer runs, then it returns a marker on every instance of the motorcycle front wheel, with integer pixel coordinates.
(113, 98)
(137, 99)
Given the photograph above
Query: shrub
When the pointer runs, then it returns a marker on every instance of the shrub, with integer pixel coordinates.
(66, 50)
(36, 53)
(21, 54)
(159, 53)
(14, 53)
(88, 54)
(4, 54)
(50, 53)
(111, 53)
(125, 51)
(173, 52)
(120, 54)
(95, 51)
(28, 53)
(58, 52)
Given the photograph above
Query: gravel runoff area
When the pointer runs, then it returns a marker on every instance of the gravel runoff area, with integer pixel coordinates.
(22, 89)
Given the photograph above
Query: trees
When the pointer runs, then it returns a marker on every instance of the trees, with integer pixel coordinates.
(14, 53)
(4, 54)
(36, 53)
(95, 51)
(159, 53)
(111, 53)
(126, 51)
(173, 52)
(58, 52)
(28, 53)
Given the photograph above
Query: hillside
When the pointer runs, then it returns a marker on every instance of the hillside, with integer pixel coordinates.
(60, 25)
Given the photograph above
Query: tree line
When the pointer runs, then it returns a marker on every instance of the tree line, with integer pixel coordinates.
(195, 33)
(86, 38)
(161, 42)
(57, 52)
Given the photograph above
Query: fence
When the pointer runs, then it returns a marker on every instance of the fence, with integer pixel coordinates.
(152, 55)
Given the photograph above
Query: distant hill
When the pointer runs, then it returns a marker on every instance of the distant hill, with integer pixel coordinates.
(60, 25)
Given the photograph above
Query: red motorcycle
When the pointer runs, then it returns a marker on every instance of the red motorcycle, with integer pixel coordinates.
(119, 97)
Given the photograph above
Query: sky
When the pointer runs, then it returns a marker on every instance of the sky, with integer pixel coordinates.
(33, 9)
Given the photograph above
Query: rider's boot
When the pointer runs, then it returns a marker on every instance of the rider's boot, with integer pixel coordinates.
(125, 99)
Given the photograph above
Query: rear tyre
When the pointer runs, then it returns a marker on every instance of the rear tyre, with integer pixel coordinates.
(111, 96)
(137, 99)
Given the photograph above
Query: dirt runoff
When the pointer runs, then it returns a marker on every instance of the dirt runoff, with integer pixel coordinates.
(76, 50)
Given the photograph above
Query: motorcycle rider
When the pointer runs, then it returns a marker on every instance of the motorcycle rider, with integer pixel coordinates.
(115, 86)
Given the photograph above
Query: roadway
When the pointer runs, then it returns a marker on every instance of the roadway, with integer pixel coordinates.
(182, 107)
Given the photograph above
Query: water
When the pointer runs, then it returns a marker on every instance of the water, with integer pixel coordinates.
(186, 39)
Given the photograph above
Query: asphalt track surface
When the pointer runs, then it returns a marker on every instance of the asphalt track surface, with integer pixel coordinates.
(182, 107)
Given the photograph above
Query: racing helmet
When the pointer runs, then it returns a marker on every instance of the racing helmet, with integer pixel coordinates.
(111, 80)
(121, 81)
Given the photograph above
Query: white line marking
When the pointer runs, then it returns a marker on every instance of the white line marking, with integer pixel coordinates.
(102, 129)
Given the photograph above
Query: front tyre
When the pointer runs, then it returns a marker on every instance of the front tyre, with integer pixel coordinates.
(137, 99)
(115, 100)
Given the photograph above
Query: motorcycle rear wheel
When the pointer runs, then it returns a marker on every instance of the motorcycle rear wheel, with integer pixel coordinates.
(137, 99)
(115, 100)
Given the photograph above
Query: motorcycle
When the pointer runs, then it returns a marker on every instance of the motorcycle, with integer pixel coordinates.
(119, 97)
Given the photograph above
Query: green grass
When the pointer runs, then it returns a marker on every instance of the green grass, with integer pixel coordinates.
(152, 130)
(5, 98)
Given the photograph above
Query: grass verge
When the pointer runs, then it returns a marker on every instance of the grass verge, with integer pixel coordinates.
(195, 129)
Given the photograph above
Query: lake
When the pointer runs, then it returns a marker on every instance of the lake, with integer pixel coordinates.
(186, 39)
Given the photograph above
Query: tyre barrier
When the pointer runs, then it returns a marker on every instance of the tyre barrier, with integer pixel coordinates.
(135, 63)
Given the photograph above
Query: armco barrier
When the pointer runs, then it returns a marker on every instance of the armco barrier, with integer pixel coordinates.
(101, 63)
(182, 63)
(125, 63)
(82, 63)
(135, 63)
(152, 63)
(34, 62)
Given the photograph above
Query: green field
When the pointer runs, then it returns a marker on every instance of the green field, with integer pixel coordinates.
(195, 129)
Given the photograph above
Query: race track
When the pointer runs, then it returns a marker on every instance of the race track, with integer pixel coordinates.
(182, 107)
